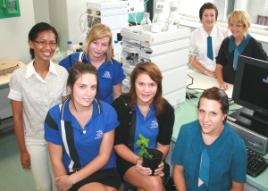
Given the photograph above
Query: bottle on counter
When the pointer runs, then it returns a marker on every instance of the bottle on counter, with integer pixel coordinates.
(146, 23)
(70, 48)
(80, 47)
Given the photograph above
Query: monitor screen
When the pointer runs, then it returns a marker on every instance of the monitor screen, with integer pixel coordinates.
(251, 85)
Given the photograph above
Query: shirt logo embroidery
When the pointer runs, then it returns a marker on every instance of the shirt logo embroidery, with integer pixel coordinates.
(99, 134)
(107, 75)
(154, 124)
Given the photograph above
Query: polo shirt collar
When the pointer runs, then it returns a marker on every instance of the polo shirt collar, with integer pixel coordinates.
(151, 112)
(30, 70)
(67, 115)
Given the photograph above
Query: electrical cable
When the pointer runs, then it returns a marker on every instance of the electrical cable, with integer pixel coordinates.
(230, 100)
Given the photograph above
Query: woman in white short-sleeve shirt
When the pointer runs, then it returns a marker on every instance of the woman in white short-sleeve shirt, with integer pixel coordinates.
(199, 58)
(33, 90)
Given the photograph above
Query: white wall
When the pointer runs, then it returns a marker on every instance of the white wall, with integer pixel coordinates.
(75, 8)
(255, 8)
(41, 11)
(58, 18)
(14, 33)
(64, 16)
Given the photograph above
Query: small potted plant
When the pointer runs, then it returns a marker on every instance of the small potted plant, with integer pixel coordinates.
(151, 157)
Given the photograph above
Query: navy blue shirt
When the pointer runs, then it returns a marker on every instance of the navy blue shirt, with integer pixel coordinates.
(227, 157)
(86, 140)
(110, 73)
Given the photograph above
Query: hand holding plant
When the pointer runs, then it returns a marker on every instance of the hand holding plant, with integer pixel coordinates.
(150, 157)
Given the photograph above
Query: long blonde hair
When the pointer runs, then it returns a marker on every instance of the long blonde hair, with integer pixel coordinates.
(100, 31)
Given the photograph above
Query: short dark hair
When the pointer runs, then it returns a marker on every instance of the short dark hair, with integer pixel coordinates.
(218, 95)
(38, 28)
(207, 6)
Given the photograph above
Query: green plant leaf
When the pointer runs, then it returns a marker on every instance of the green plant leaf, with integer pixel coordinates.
(142, 143)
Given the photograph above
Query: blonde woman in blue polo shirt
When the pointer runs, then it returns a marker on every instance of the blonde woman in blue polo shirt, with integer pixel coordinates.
(98, 52)
(33, 90)
(80, 135)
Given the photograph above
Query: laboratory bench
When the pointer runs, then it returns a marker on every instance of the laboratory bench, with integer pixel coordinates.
(5, 107)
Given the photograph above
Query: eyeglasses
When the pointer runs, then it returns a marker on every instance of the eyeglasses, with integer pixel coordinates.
(44, 43)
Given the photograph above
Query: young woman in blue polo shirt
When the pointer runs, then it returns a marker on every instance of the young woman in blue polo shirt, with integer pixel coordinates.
(80, 135)
(143, 111)
(98, 52)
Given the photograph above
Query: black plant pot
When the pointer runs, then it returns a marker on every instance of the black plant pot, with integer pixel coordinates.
(154, 161)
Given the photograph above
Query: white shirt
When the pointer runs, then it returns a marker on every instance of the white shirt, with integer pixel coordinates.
(37, 95)
(198, 45)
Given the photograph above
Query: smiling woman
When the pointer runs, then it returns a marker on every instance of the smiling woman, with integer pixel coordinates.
(87, 123)
(33, 90)
(239, 43)
(208, 153)
(143, 111)
(98, 52)
(205, 41)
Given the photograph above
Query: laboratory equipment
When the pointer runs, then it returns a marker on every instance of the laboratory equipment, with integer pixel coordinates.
(165, 15)
(113, 13)
(168, 49)
(146, 22)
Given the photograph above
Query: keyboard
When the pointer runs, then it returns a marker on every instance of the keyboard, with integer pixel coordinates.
(256, 163)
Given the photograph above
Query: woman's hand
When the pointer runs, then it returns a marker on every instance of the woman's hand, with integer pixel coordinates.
(143, 170)
(25, 160)
(64, 183)
(211, 74)
(159, 170)
(223, 86)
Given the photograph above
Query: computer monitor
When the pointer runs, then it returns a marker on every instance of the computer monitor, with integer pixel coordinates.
(251, 88)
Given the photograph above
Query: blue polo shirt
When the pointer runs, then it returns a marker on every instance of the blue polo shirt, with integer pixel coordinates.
(86, 140)
(110, 73)
(227, 155)
(147, 126)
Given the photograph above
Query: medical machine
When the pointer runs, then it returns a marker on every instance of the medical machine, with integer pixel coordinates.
(113, 13)
(168, 49)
